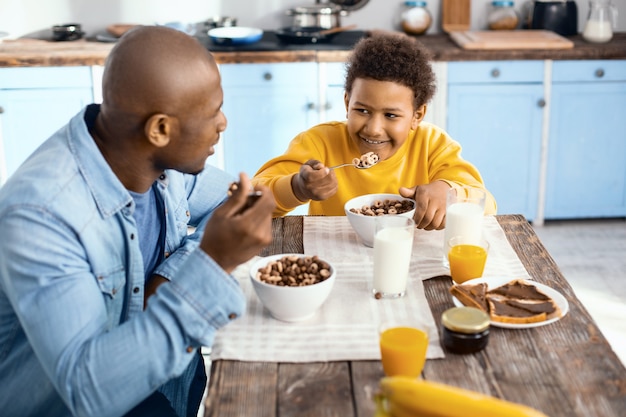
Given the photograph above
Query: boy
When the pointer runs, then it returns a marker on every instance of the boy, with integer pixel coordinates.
(388, 84)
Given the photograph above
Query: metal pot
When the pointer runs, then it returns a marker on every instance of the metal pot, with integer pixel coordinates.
(350, 4)
(320, 16)
(67, 32)
(220, 22)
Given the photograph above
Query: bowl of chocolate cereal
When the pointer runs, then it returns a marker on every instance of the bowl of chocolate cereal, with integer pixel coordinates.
(292, 286)
(362, 210)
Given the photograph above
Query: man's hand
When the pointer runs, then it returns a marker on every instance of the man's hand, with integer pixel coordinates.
(238, 231)
(430, 210)
(314, 182)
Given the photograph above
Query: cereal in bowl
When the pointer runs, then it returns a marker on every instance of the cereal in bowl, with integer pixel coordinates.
(294, 271)
(381, 207)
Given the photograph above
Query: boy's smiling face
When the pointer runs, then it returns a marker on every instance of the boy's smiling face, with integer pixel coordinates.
(380, 115)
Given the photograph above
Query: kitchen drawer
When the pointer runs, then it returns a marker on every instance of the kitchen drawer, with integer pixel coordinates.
(495, 72)
(253, 74)
(45, 77)
(581, 71)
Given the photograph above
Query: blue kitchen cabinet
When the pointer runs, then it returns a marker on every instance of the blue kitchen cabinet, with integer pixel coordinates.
(34, 103)
(495, 111)
(266, 105)
(586, 169)
(332, 84)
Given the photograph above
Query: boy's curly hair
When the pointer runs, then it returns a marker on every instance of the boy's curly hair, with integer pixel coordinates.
(396, 58)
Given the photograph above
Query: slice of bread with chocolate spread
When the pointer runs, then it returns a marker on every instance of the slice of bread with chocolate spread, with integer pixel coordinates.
(518, 301)
(472, 295)
(520, 289)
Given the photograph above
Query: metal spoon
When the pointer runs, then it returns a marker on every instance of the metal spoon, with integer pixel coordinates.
(353, 165)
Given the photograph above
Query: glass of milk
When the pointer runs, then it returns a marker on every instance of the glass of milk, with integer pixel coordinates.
(465, 210)
(393, 246)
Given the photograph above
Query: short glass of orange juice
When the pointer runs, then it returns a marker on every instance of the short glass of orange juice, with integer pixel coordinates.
(403, 350)
(467, 258)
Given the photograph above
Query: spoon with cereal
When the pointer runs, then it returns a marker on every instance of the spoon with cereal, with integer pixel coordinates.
(366, 161)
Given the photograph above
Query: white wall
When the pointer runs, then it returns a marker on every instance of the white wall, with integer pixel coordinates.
(35, 17)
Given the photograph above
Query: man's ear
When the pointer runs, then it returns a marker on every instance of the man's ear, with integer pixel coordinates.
(418, 116)
(158, 129)
(346, 100)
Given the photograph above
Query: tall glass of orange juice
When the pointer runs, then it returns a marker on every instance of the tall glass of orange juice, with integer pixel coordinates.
(467, 260)
(403, 350)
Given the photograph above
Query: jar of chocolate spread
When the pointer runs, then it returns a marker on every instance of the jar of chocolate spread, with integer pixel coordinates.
(465, 329)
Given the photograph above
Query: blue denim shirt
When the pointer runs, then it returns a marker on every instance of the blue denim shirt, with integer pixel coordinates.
(74, 338)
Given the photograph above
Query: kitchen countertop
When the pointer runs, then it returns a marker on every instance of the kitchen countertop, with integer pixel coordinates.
(37, 52)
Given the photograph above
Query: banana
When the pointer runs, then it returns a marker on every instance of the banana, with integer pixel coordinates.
(409, 397)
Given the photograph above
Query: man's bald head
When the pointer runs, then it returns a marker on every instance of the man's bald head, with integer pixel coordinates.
(154, 69)
(161, 107)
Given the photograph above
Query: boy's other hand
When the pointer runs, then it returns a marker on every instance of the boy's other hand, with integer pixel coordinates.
(430, 208)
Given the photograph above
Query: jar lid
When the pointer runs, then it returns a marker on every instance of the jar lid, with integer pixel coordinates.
(465, 320)
(502, 3)
(415, 3)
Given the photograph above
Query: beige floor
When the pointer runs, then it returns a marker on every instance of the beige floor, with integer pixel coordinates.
(592, 256)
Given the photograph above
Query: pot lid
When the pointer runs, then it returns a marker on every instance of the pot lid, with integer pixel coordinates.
(350, 4)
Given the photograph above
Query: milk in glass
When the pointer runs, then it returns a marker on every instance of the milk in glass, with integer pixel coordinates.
(392, 256)
(600, 22)
(464, 219)
(465, 210)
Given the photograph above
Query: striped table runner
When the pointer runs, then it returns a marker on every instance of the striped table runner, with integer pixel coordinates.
(346, 326)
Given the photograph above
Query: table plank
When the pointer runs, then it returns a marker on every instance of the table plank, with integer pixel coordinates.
(315, 389)
(242, 389)
(365, 378)
(564, 369)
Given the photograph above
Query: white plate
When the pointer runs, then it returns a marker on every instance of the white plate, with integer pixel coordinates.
(493, 282)
(235, 35)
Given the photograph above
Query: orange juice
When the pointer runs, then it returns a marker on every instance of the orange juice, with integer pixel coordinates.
(403, 351)
(466, 262)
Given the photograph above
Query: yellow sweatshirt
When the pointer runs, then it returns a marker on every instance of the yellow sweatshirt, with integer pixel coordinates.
(428, 154)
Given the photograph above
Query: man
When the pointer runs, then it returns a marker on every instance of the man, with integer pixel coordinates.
(98, 217)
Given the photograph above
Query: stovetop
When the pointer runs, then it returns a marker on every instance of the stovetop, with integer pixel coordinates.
(342, 41)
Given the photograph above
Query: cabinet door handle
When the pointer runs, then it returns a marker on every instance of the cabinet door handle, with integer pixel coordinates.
(310, 106)
(541, 103)
(1, 109)
(267, 76)
(495, 73)
(599, 73)
(328, 106)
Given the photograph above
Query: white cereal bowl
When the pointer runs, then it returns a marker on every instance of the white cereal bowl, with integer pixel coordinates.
(290, 304)
(364, 225)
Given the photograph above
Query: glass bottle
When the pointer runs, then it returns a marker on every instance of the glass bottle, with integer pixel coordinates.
(415, 18)
(502, 15)
(600, 22)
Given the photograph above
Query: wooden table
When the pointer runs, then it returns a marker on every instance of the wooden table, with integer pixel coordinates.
(564, 369)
